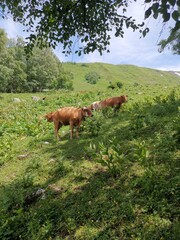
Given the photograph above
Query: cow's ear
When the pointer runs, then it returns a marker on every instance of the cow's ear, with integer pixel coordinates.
(87, 111)
(49, 117)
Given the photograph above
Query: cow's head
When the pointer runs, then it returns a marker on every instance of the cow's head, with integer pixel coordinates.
(49, 117)
(124, 98)
(86, 112)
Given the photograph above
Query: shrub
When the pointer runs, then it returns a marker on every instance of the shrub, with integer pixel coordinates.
(119, 84)
(111, 155)
(92, 77)
(94, 125)
(111, 85)
(115, 85)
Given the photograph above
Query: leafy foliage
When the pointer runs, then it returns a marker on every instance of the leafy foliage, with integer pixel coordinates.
(93, 125)
(89, 21)
(115, 85)
(92, 77)
(39, 71)
(173, 42)
(3, 41)
(63, 81)
(169, 10)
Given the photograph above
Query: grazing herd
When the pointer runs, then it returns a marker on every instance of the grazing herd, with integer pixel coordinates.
(74, 116)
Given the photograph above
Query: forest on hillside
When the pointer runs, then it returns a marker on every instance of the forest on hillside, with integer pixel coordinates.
(34, 73)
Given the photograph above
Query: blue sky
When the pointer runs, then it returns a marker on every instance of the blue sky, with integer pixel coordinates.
(128, 50)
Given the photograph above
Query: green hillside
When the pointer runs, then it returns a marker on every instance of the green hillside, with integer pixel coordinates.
(127, 74)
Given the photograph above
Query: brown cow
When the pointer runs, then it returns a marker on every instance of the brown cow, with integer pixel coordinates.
(68, 116)
(114, 102)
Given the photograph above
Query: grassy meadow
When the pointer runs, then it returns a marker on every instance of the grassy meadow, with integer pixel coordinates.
(118, 181)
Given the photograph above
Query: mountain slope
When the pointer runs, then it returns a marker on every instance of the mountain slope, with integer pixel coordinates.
(126, 74)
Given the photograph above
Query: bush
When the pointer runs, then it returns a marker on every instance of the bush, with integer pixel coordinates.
(115, 85)
(92, 77)
(93, 125)
(111, 85)
(119, 84)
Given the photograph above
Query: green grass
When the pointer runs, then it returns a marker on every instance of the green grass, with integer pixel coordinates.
(119, 180)
(127, 74)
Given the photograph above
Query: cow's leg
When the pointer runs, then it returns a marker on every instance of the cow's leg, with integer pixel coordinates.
(57, 126)
(117, 107)
(77, 129)
(71, 129)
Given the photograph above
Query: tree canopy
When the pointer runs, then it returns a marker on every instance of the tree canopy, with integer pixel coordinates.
(172, 42)
(89, 21)
(41, 70)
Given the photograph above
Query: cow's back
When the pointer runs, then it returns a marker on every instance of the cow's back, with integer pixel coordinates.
(110, 102)
(67, 114)
(113, 101)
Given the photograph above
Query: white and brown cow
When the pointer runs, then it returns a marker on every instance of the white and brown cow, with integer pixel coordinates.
(114, 102)
(95, 106)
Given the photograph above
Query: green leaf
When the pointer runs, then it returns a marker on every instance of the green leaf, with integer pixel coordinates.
(155, 15)
(155, 8)
(148, 12)
(172, 2)
(146, 30)
(166, 16)
(175, 15)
